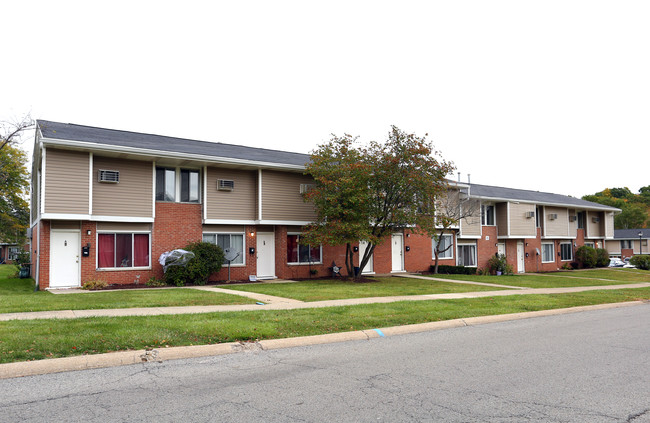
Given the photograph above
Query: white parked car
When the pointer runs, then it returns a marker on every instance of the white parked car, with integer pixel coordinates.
(616, 262)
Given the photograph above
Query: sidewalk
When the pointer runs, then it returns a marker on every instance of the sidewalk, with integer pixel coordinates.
(269, 302)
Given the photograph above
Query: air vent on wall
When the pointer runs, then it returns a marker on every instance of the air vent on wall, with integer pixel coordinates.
(530, 214)
(573, 218)
(225, 185)
(111, 176)
(595, 219)
(552, 216)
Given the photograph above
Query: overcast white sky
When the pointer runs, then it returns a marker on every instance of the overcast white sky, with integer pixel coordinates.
(547, 95)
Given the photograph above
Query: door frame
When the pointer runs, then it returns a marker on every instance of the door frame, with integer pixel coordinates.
(265, 251)
(521, 258)
(77, 235)
(393, 250)
(370, 269)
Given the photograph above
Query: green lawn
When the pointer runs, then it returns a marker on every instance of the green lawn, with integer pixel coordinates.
(18, 295)
(337, 289)
(559, 279)
(22, 340)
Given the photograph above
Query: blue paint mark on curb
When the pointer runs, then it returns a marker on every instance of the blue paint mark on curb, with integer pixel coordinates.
(259, 303)
(380, 332)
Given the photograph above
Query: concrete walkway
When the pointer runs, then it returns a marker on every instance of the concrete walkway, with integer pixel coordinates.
(278, 303)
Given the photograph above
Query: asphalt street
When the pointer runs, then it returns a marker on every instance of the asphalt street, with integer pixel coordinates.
(582, 367)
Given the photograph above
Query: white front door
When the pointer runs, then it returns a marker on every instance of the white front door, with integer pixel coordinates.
(521, 264)
(65, 250)
(363, 245)
(397, 252)
(265, 255)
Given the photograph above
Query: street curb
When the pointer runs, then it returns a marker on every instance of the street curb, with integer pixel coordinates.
(123, 358)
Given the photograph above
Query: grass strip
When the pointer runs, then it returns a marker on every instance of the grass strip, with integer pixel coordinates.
(554, 280)
(337, 289)
(39, 339)
(17, 295)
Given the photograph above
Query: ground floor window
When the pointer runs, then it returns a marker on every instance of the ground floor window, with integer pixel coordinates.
(548, 250)
(566, 252)
(446, 248)
(116, 250)
(590, 244)
(467, 255)
(234, 242)
(299, 253)
(13, 253)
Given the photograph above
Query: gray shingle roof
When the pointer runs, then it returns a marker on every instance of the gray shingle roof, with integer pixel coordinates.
(113, 137)
(631, 233)
(487, 191)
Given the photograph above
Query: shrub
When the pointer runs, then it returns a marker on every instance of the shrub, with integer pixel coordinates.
(454, 270)
(497, 263)
(94, 285)
(155, 282)
(208, 259)
(602, 257)
(586, 257)
(567, 266)
(22, 258)
(641, 261)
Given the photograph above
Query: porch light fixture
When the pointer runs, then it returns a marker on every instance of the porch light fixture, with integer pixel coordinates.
(88, 232)
(252, 233)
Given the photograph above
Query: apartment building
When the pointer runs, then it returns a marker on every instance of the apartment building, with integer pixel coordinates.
(107, 203)
(628, 242)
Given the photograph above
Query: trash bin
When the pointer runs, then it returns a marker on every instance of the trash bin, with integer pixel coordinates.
(25, 271)
(356, 271)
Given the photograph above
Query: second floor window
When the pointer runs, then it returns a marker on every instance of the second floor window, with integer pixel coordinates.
(186, 180)
(581, 220)
(626, 244)
(487, 215)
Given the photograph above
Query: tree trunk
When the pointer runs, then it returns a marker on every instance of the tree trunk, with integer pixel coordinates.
(363, 261)
(349, 260)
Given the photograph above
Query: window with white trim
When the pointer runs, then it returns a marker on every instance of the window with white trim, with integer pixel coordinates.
(590, 244)
(566, 251)
(626, 243)
(13, 253)
(487, 215)
(175, 184)
(446, 246)
(467, 255)
(548, 251)
(116, 250)
(233, 241)
(300, 253)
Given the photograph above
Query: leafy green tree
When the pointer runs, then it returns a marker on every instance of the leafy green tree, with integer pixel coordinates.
(632, 216)
(367, 192)
(14, 185)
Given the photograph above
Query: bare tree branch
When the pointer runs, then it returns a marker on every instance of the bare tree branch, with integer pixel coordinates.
(12, 131)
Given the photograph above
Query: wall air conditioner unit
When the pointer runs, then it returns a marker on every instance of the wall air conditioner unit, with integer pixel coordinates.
(552, 216)
(573, 218)
(225, 185)
(595, 219)
(305, 188)
(530, 214)
(110, 176)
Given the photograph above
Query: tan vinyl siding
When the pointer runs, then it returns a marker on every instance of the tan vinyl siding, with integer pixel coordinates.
(229, 229)
(66, 181)
(471, 225)
(613, 247)
(573, 226)
(595, 229)
(281, 198)
(132, 196)
(240, 203)
(501, 210)
(123, 226)
(520, 225)
(559, 226)
(609, 224)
